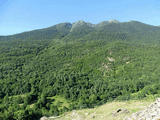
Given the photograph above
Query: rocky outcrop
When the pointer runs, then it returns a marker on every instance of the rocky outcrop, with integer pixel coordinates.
(44, 118)
(152, 112)
(113, 21)
(81, 24)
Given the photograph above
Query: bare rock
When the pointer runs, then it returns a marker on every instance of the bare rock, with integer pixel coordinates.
(152, 112)
(44, 118)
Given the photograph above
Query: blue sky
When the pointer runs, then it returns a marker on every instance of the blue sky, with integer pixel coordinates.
(23, 15)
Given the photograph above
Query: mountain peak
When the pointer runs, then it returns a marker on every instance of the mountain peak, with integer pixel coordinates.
(113, 21)
(103, 23)
(80, 23)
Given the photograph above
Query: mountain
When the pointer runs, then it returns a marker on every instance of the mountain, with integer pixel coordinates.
(130, 27)
(82, 28)
(77, 65)
(55, 31)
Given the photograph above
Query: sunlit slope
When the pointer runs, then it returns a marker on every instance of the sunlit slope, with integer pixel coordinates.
(107, 111)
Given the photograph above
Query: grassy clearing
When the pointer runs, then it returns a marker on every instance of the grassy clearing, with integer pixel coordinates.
(60, 101)
(105, 112)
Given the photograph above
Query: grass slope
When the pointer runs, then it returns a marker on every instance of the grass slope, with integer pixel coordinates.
(105, 112)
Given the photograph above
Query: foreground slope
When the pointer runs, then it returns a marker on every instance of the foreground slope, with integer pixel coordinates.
(110, 111)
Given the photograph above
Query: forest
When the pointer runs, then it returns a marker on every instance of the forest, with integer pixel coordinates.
(50, 71)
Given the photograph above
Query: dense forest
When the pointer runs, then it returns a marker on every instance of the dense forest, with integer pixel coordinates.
(73, 66)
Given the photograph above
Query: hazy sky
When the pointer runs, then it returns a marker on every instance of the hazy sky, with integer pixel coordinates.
(23, 15)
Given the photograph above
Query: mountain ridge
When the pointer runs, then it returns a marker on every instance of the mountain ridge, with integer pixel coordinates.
(81, 28)
(81, 21)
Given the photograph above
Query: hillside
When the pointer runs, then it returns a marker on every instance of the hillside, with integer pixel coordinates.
(77, 65)
(116, 110)
(110, 111)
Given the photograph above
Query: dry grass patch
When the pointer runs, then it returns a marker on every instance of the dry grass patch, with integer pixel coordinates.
(105, 112)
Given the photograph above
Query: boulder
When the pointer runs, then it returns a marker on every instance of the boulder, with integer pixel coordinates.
(44, 118)
(120, 111)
